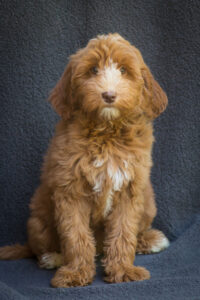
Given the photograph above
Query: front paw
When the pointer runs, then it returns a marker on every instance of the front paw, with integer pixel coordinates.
(66, 277)
(126, 274)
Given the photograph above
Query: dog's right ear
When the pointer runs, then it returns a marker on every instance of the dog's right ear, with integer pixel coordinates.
(61, 96)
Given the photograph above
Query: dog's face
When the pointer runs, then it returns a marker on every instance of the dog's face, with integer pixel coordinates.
(108, 79)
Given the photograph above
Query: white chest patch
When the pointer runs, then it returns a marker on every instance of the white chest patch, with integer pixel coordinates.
(99, 182)
(117, 176)
(109, 202)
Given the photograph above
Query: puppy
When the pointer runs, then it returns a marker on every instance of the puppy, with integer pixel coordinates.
(95, 194)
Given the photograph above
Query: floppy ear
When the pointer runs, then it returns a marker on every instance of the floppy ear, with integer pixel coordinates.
(60, 97)
(154, 98)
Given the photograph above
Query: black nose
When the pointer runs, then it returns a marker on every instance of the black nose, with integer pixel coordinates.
(109, 97)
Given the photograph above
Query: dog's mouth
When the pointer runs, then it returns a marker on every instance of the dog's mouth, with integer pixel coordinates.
(110, 113)
(109, 110)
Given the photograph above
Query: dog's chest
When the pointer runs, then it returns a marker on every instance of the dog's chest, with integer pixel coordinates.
(109, 176)
(111, 171)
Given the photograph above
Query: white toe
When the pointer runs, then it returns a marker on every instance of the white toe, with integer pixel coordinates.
(50, 260)
(161, 244)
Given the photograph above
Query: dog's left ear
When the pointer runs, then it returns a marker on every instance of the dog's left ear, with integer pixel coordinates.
(154, 100)
(61, 96)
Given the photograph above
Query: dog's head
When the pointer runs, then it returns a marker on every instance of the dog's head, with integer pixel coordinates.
(108, 79)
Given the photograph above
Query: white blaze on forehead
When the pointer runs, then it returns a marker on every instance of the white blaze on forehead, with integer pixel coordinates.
(114, 37)
(110, 78)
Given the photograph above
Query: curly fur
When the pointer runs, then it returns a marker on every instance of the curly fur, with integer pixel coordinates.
(95, 193)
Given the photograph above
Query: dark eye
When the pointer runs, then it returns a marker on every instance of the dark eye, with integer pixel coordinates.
(122, 70)
(94, 70)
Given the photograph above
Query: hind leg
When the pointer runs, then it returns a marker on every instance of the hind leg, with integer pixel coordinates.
(150, 240)
(42, 236)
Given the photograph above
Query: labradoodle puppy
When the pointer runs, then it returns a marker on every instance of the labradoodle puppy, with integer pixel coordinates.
(95, 193)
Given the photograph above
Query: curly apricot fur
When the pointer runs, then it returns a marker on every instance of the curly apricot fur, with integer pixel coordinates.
(95, 190)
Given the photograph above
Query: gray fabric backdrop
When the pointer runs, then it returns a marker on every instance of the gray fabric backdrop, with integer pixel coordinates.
(36, 39)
